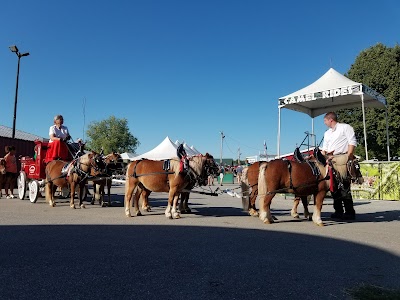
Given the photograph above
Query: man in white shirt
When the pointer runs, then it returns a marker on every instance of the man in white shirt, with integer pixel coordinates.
(340, 139)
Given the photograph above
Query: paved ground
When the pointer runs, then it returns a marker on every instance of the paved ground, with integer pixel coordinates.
(218, 252)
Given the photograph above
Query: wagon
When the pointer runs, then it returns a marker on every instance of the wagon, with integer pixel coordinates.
(32, 174)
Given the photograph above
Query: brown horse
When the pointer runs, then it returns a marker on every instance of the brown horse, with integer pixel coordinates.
(111, 164)
(76, 177)
(151, 175)
(297, 177)
(250, 181)
(2, 174)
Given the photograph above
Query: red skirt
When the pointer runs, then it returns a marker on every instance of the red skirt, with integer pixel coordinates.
(57, 150)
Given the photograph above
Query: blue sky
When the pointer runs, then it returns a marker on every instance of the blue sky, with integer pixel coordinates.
(183, 69)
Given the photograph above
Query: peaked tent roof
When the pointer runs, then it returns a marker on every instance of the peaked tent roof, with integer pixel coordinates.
(331, 92)
(195, 150)
(165, 150)
(188, 150)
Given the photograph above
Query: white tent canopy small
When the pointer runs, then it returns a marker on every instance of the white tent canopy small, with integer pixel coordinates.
(331, 92)
(165, 150)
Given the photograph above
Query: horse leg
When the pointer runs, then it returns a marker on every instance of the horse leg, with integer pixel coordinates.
(175, 211)
(129, 188)
(294, 212)
(252, 204)
(306, 202)
(171, 197)
(144, 196)
(265, 208)
(183, 204)
(94, 193)
(49, 193)
(318, 199)
(80, 194)
(109, 183)
(72, 201)
(136, 210)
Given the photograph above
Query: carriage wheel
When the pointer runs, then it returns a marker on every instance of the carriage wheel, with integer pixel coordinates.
(21, 183)
(33, 191)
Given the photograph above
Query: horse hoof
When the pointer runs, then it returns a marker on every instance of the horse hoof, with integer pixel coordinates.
(253, 213)
(295, 215)
(138, 214)
(177, 216)
(319, 224)
(128, 215)
(92, 202)
(266, 221)
(83, 206)
(103, 204)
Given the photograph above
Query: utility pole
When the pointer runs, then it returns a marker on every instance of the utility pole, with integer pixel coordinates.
(222, 141)
(239, 156)
(265, 150)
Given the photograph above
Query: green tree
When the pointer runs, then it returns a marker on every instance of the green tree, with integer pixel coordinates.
(111, 135)
(379, 68)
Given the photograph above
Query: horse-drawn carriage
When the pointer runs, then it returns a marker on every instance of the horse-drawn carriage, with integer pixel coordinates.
(32, 177)
(32, 174)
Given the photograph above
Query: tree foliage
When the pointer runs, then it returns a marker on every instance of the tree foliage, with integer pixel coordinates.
(111, 135)
(379, 68)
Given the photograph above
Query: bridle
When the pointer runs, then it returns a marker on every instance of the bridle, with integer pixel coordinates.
(353, 169)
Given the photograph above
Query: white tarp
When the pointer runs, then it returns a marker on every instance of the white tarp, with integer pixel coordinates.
(331, 92)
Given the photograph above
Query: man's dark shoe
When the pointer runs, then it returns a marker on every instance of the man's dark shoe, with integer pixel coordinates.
(347, 216)
(337, 216)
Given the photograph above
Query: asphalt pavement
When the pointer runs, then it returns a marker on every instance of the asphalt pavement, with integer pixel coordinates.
(216, 252)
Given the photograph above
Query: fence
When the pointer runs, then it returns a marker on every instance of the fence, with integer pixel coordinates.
(381, 181)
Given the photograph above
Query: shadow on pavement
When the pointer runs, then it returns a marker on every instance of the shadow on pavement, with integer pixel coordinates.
(183, 262)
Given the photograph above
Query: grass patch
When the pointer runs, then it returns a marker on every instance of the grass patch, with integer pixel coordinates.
(372, 292)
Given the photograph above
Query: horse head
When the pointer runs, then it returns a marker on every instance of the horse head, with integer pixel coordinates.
(88, 162)
(203, 166)
(354, 171)
(211, 166)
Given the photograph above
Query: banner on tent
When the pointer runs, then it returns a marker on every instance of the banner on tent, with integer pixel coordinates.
(343, 91)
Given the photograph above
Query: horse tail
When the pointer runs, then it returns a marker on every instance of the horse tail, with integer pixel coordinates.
(262, 182)
(244, 185)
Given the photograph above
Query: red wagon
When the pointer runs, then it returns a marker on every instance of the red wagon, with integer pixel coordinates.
(32, 174)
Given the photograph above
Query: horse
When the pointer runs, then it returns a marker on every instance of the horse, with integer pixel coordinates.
(165, 176)
(111, 165)
(300, 179)
(76, 176)
(250, 181)
(2, 174)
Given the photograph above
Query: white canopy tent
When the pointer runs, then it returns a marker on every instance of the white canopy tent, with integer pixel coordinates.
(165, 150)
(331, 92)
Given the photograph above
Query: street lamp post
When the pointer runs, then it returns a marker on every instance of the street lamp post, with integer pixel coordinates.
(15, 50)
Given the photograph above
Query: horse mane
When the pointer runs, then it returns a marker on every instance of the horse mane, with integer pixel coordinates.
(196, 163)
(339, 163)
(244, 178)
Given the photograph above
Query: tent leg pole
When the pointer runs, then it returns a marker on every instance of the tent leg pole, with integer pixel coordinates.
(279, 133)
(387, 134)
(365, 129)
